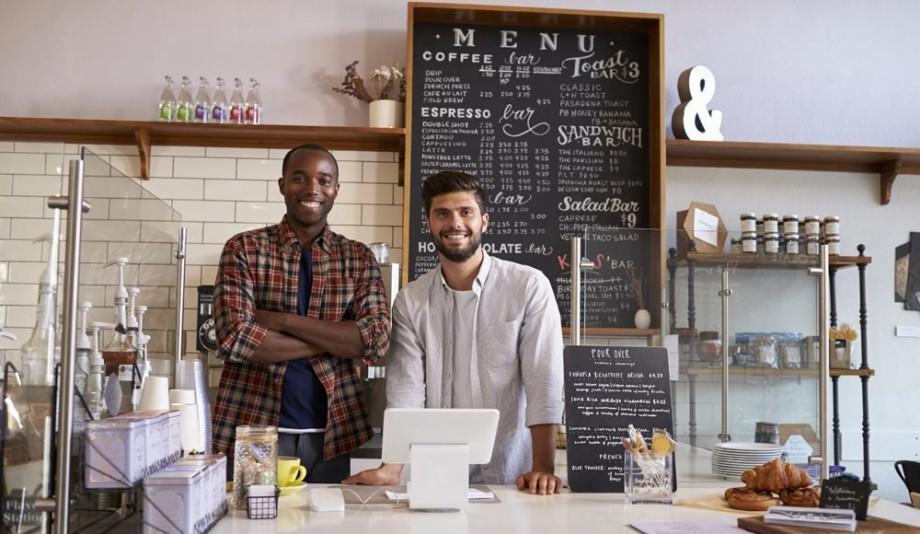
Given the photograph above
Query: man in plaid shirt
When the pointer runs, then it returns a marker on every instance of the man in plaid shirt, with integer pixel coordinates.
(297, 307)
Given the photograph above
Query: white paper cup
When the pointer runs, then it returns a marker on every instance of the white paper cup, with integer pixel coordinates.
(155, 396)
(188, 427)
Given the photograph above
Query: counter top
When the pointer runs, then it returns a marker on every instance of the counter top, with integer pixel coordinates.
(519, 512)
(516, 513)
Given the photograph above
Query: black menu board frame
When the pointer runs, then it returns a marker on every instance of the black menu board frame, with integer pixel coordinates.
(606, 390)
(625, 175)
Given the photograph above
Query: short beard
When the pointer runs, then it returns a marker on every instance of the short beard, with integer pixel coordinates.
(458, 255)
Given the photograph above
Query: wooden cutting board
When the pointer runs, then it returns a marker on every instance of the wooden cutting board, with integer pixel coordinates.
(872, 525)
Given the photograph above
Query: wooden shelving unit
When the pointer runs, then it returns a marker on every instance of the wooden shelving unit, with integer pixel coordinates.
(887, 162)
(769, 371)
(145, 134)
(773, 261)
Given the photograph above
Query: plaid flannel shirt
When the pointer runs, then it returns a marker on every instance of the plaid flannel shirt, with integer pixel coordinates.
(259, 269)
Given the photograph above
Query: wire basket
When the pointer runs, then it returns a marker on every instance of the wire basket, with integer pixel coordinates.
(262, 507)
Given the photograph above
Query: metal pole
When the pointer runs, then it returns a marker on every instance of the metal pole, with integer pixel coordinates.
(824, 369)
(69, 348)
(180, 296)
(575, 312)
(725, 293)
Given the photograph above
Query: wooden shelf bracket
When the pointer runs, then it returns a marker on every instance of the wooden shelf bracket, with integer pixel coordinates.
(889, 172)
(142, 137)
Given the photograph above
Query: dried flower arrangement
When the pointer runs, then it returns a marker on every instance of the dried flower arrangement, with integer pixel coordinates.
(389, 83)
(635, 283)
(845, 332)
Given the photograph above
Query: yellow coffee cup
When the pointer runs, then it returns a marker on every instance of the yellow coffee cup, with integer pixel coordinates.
(290, 471)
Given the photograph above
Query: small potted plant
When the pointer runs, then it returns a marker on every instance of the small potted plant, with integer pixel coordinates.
(385, 98)
(843, 339)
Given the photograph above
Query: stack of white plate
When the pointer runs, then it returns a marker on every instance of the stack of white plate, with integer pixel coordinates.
(733, 458)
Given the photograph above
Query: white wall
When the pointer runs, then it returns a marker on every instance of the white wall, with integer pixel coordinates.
(808, 72)
(805, 72)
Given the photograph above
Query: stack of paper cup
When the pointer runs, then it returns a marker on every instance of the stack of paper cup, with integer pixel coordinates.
(155, 396)
(184, 401)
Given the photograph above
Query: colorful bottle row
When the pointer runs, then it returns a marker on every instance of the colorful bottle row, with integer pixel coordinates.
(207, 108)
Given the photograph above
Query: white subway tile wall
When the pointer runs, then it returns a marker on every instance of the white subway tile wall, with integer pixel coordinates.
(213, 192)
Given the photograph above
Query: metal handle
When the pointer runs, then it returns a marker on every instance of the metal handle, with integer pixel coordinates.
(824, 370)
(575, 296)
(725, 293)
(76, 207)
(180, 295)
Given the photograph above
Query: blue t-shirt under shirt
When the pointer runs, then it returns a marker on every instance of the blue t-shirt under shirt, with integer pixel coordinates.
(303, 397)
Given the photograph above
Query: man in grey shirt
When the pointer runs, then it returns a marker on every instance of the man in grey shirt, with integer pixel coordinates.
(478, 332)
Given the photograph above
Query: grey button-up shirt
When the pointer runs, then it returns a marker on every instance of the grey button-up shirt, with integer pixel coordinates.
(517, 365)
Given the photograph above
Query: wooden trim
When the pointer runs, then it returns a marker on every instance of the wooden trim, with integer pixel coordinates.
(887, 176)
(112, 132)
(142, 137)
(614, 332)
(780, 261)
(887, 162)
(770, 371)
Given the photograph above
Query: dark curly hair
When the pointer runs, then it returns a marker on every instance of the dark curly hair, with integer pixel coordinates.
(452, 182)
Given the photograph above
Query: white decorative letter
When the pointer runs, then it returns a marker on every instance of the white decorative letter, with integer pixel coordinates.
(691, 120)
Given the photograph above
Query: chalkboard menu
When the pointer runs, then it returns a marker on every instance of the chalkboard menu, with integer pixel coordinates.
(558, 117)
(606, 390)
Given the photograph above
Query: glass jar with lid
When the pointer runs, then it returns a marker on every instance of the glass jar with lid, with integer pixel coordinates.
(792, 243)
(255, 459)
(812, 243)
(790, 224)
(771, 243)
(771, 223)
(748, 222)
(812, 225)
(832, 225)
(833, 245)
(749, 242)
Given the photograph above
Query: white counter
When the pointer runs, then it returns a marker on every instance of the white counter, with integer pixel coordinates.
(523, 513)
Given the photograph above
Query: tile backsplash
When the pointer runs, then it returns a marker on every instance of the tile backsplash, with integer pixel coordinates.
(213, 192)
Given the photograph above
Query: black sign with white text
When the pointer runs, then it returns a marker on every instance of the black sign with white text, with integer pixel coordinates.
(606, 390)
(555, 124)
(846, 495)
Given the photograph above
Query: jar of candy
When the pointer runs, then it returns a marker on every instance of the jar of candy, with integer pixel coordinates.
(255, 459)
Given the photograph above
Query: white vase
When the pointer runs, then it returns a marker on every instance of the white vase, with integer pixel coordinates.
(643, 319)
(385, 114)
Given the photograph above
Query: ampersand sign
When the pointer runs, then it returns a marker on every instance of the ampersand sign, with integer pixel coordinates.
(692, 120)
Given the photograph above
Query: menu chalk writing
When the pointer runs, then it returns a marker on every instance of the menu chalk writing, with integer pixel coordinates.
(555, 124)
(846, 495)
(606, 390)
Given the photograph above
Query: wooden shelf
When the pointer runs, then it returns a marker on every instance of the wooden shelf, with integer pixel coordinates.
(144, 134)
(888, 163)
(770, 371)
(614, 332)
(778, 261)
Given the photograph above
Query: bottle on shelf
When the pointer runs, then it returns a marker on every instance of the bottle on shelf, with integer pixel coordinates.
(40, 352)
(253, 103)
(167, 111)
(93, 393)
(219, 104)
(84, 350)
(236, 102)
(202, 101)
(184, 105)
(119, 352)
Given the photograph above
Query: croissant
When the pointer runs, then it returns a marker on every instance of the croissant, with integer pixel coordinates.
(775, 476)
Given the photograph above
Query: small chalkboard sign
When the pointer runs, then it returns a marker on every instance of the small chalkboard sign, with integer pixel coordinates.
(606, 390)
(846, 495)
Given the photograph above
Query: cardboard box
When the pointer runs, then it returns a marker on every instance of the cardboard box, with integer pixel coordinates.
(702, 225)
